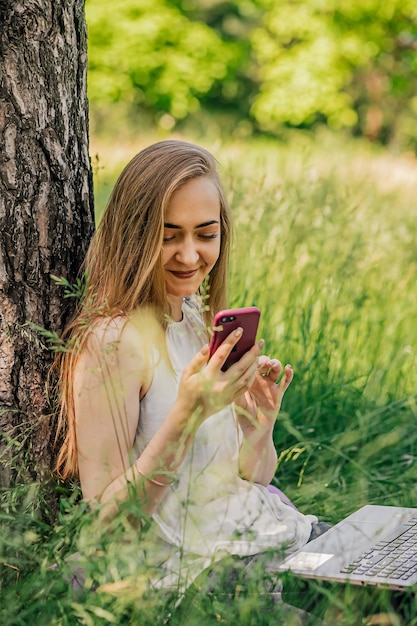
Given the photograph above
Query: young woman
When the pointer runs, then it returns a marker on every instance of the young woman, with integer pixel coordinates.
(144, 408)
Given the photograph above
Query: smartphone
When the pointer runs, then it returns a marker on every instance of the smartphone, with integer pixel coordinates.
(225, 322)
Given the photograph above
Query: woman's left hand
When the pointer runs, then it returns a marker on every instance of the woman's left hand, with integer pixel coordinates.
(261, 403)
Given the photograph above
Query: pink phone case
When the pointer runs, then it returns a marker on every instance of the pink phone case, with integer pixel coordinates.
(226, 322)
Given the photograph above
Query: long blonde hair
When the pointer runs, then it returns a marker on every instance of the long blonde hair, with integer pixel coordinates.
(124, 265)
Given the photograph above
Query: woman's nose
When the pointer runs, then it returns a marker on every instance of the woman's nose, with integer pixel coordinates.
(187, 252)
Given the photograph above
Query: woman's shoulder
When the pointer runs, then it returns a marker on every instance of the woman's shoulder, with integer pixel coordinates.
(104, 336)
(136, 334)
(105, 330)
(123, 348)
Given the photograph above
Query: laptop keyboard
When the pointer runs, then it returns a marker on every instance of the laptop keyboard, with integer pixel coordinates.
(394, 556)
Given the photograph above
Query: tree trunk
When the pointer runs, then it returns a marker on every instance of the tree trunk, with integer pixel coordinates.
(46, 211)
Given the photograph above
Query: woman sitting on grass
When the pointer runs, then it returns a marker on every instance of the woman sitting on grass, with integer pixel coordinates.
(145, 410)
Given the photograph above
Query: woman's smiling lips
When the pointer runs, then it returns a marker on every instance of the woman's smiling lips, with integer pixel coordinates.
(184, 275)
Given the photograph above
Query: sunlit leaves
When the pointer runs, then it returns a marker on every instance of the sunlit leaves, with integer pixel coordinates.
(274, 63)
(322, 59)
(152, 54)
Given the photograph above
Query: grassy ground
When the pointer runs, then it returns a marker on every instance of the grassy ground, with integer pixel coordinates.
(325, 246)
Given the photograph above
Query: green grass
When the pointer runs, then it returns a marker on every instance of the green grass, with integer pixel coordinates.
(325, 246)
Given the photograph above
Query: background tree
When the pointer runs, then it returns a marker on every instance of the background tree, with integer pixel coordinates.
(347, 64)
(46, 208)
(155, 58)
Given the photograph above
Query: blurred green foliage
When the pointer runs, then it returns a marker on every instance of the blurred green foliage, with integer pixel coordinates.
(271, 63)
(350, 62)
(149, 53)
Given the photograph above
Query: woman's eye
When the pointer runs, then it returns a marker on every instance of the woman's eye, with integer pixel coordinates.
(168, 238)
(211, 236)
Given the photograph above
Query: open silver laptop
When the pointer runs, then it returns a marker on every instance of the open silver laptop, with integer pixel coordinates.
(376, 545)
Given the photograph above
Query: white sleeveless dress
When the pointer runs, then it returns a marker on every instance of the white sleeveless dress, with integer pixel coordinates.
(209, 511)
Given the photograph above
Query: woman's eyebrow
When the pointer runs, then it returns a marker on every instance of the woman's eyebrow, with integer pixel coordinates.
(168, 225)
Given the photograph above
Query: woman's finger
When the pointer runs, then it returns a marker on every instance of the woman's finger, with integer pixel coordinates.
(219, 358)
(247, 365)
(285, 381)
(269, 368)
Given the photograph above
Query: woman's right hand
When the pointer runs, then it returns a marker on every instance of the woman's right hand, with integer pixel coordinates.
(205, 389)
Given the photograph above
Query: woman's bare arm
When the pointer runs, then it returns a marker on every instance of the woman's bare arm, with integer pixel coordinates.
(111, 376)
(257, 411)
(113, 373)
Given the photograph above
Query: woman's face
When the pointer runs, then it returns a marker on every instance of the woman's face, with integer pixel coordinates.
(191, 238)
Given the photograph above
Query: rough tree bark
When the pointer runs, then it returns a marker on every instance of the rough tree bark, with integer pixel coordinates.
(46, 209)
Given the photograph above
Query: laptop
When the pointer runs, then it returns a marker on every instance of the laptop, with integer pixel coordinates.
(376, 545)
